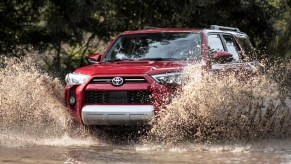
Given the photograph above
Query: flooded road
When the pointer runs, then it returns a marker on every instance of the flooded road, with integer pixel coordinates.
(275, 151)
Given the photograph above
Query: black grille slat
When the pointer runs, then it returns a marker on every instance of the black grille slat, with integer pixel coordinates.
(118, 97)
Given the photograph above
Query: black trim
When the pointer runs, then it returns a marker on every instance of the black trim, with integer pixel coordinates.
(118, 97)
(72, 93)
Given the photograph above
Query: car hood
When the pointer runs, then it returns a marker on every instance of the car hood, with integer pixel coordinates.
(133, 67)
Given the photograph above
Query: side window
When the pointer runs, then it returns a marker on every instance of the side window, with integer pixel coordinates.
(214, 43)
(232, 46)
(247, 46)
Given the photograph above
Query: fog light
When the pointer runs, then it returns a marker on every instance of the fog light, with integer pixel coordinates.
(72, 100)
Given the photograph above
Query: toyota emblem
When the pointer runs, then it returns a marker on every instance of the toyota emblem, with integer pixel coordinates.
(117, 81)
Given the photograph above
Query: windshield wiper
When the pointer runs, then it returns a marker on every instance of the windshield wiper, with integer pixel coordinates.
(160, 59)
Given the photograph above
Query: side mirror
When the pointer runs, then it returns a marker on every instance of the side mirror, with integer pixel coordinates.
(222, 56)
(94, 58)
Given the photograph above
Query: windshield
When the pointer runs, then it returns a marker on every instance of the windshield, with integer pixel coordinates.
(156, 46)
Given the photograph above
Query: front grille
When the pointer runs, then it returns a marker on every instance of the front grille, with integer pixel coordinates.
(99, 80)
(118, 97)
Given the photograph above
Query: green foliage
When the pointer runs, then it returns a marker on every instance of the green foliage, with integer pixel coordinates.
(52, 24)
(19, 20)
(282, 44)
(254, 17)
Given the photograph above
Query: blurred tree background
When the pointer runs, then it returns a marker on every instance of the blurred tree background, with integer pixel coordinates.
(63, 33)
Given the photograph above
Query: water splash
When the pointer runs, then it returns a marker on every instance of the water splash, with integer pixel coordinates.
(32, 107)
(217, 109)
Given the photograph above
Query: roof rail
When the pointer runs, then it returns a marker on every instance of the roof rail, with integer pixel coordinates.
(216, 27)
(149, 27)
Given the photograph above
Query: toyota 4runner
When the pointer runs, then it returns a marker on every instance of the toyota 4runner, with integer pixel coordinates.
(126, 84)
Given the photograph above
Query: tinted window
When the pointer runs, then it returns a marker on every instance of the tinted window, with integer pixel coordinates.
(247, 46)
(214, 43)
(177, 46)
(232, 46)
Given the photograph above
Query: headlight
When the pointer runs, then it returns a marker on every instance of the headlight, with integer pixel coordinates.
(76, 78)
(168, 78)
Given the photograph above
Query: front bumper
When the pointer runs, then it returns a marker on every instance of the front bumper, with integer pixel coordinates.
(135, 102)
(117, 114)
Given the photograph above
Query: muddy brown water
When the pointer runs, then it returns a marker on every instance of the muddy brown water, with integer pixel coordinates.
(211, 121)
(268, 151)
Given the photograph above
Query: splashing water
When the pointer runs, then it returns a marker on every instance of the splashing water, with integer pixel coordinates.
(223, 109)
(32, 109)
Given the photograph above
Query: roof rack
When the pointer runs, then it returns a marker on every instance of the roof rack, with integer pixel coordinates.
(216, 27)
(149, 27)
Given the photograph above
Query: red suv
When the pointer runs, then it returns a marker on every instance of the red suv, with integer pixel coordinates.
(127, 83)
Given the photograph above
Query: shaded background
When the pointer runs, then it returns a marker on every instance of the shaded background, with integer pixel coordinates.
(63, 33)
